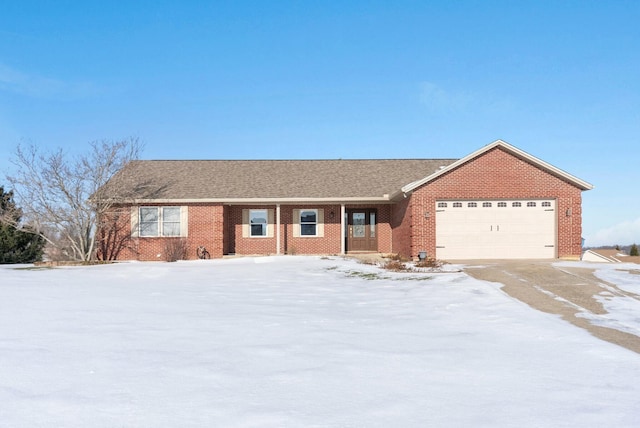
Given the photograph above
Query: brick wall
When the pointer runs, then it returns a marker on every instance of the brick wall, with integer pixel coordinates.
(113, 239)
(243, 245)
(385, 234)
(205, 227)
(327, 244)
(497, 174)
(401, 227)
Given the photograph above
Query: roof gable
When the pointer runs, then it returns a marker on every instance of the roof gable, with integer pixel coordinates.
(581, 184)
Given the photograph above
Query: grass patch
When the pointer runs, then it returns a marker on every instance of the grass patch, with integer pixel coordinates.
(371, 276)
(393, 263)
(365, 275)
(414, 278)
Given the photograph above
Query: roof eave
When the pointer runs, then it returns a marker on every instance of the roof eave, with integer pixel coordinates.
(265, 201)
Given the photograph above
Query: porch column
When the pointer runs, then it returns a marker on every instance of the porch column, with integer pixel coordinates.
(343, 228)
(277, 229)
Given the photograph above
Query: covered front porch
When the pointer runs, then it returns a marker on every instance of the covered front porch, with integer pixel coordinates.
(290, 228)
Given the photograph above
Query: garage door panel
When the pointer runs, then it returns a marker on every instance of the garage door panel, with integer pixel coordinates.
(490, 230)
(524, 252)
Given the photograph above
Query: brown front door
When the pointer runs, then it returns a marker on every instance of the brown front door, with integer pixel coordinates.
(362, 230)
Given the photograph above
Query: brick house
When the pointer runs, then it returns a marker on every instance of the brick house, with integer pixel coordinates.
(498, 202)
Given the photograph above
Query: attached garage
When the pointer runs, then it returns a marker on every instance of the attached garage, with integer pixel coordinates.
(496, 203)
(496, 229)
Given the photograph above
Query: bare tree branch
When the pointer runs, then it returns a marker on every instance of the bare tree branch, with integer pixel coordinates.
(64, 199)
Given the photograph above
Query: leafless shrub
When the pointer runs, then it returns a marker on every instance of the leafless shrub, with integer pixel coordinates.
(396, 257)
(429, 263)
(176, 249)
(395, 266)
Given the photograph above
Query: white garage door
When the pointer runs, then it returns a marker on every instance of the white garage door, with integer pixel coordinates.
(489, 229)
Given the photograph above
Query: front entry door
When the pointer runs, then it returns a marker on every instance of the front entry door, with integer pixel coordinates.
(361, 230)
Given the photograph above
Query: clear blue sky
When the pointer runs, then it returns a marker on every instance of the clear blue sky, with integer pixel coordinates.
(401, 79)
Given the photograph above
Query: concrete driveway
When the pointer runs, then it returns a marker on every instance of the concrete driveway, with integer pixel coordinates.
(565, 291)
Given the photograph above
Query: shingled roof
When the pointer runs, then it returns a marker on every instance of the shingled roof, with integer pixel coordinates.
(235, 180)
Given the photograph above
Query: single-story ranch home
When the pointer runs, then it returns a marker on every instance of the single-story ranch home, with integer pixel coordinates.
(498, 202)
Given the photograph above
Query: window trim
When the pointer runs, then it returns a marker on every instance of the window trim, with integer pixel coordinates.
(156, 222)
(265, 225)
(137, 223)
(297, 225)
(165, 222)
(246, 222)
(306, 223)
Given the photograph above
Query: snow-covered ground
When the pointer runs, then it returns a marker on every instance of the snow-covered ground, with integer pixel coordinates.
(297, 342)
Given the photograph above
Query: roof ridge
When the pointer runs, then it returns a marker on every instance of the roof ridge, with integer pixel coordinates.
(296, 160)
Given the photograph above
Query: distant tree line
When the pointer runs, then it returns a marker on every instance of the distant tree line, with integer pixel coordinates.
(631, 250)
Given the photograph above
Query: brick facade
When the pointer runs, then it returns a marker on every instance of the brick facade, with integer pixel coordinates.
(401, 218)
(205, 228)
(404, 226)
(495, 174)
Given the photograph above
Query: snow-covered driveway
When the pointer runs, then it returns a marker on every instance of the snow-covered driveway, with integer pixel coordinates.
(580, 292)
(295, 342)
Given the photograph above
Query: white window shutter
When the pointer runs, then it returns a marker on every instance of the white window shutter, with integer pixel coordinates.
(134, 222)
(320, 226)
(270, 223)
(184, 221)
(296, 223)
(245, 223)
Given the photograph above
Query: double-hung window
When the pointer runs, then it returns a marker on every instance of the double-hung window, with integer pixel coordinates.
(159, 221)
(149, 221)
(171, 221)
(308, 222)
(258, 221)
